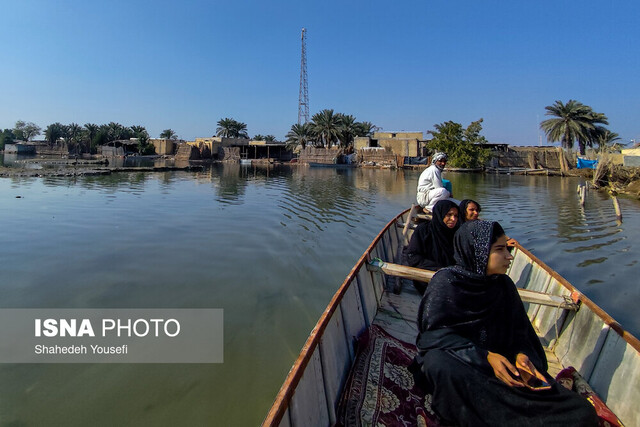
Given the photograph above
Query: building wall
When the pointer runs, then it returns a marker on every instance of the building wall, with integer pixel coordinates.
(402, 145)
(20, 149)
(327, 156)
(360, 142)
(405, 147)
(631, 151)
(163, 146)
(631, 161)
(399, 135)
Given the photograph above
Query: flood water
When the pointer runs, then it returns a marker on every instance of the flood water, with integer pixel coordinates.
(269, 246)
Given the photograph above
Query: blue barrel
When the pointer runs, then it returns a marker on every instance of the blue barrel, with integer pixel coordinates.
(447, 184)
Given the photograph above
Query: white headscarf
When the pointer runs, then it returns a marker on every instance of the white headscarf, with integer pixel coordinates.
(438, 156)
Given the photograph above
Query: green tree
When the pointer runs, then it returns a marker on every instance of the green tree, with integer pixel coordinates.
(607, 140)
(347, 129)
(73, 137)
(230, 128)
(573, 122)
(300, 134)
(91, 131)
(54, 132)
(116, 131)
(325, 126)
(270, 138)
(6, 137)
(169, 134)
(26, 130)
(259, 137)
(366, 129)
(463, 146)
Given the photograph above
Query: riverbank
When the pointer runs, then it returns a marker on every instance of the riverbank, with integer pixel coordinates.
(622, 180)
(9, 172)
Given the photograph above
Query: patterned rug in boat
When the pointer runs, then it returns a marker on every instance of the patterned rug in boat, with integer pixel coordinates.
(381, 389)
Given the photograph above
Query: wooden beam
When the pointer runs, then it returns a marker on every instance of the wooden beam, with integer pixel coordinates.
(413, 211)
(400, 270)
(528, 296)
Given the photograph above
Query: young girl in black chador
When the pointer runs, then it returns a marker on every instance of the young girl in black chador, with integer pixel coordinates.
(475, 338)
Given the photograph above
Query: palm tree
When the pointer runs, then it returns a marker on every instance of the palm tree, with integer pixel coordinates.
(168, 134)
(573, 121)
(325, 125)
(270, 138)
(259, 137)
(116, 131)
(91, 130)
(230, 128)
(607, 139)
(300, 134)
(74, 136)
(54, 132)
(366, 128)
(348, 129)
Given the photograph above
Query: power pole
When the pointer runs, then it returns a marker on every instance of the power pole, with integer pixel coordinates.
(303, 97)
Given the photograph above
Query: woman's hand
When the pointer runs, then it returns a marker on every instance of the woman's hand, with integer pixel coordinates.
(504, 370)
(523, 362)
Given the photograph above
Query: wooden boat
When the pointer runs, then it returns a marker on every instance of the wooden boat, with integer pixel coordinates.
(606, 355)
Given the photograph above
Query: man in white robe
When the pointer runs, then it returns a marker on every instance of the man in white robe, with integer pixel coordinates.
(430, 187)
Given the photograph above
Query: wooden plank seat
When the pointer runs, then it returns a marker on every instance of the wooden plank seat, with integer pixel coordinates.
(528, 296)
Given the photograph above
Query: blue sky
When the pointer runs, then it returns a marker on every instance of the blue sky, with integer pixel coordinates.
(403, 65)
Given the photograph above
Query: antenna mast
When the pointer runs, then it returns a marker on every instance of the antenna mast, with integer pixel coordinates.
(303, 97)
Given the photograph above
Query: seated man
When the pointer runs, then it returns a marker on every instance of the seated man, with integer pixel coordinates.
(430, 186)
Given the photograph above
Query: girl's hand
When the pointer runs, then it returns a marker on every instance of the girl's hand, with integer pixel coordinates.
(504, 370)
(523, 362)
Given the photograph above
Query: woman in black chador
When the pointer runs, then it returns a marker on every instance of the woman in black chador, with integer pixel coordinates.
(476, 343)
(431, 245)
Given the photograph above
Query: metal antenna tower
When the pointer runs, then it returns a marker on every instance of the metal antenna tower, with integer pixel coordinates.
(303, 97)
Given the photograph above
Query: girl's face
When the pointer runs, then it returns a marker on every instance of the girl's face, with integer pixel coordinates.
(451, 218)
(499, 257)
(472, 212)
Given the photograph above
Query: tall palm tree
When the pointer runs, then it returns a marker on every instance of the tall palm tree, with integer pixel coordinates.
(573, 122)
(607, 139)
(300, 134)
(231, 128)
(325, 126)
(168, 134)
(116, 131)
(91, 131)
(54, 132)
(348, 129)
(74, 136)
(594, 131)
(366, 128)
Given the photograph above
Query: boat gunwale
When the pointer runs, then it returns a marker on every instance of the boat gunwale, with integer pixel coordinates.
(283, 398)
(597, 310)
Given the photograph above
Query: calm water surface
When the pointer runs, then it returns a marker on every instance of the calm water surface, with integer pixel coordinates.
(270, 247)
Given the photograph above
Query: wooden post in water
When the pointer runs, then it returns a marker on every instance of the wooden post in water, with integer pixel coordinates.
(616, 206)
(582, 191)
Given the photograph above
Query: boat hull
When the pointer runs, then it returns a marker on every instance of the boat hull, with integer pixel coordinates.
(606, 355)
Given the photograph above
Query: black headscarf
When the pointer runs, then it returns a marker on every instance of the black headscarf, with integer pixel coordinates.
(463, 209)
(431, 246)
(462, 305)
